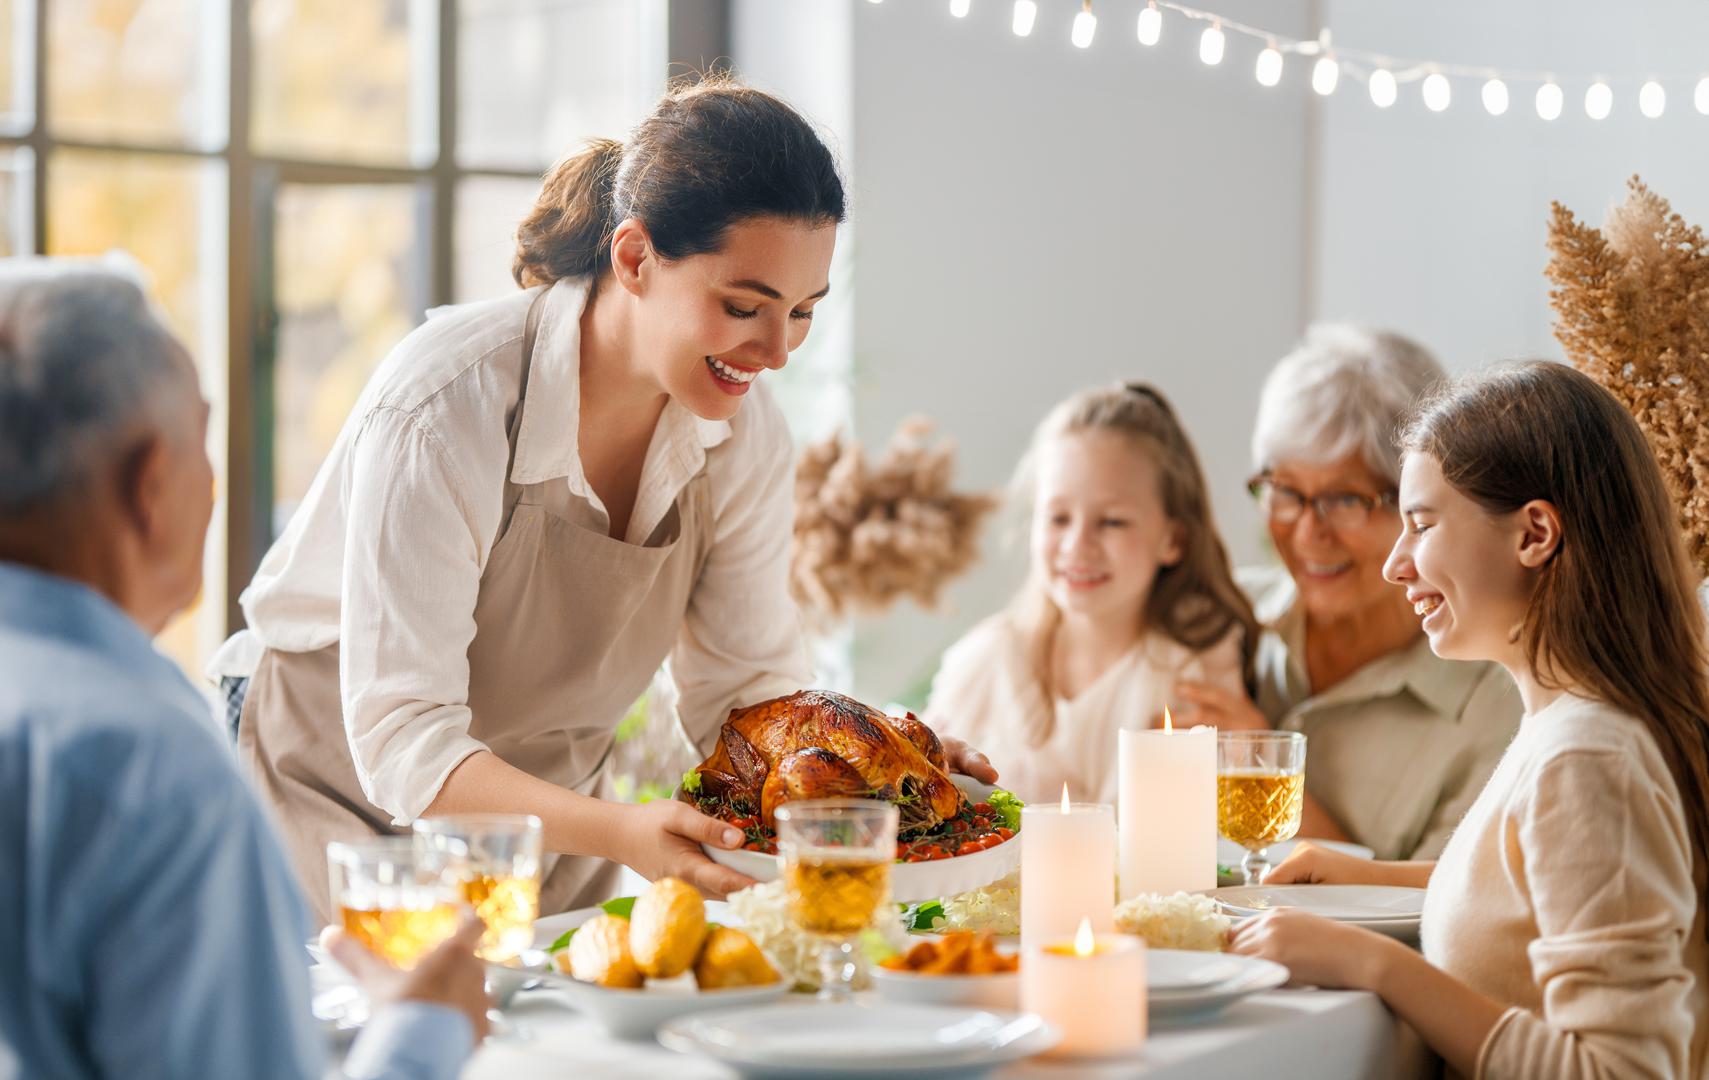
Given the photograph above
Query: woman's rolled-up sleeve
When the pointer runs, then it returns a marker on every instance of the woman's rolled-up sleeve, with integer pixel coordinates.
(412, 570)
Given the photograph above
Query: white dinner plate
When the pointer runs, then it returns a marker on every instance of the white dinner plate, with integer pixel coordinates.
(808, 1039)
(1251, 975)
(1346, 903)
(1183, 969)
(909, 882)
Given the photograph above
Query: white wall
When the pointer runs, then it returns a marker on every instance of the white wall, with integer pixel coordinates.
(1435, 223)
(1031, 219)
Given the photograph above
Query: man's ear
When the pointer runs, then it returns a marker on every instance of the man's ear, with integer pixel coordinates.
(632, 258)
(143, 475)
(1540, 533)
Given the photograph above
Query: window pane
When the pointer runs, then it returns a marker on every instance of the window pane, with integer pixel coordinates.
(170, 214)
(535, 79)
(345, 79)
(17, 216)
(17, 62)
(350, 272)
(150, 71)
(488, 209)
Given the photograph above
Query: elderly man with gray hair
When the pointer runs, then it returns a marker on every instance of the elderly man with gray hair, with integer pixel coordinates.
(1400, 742)
(149, 922)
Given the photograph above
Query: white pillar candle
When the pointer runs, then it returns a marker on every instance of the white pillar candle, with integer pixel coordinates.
(1167, 796)
(1092, 988)
(1068, 869)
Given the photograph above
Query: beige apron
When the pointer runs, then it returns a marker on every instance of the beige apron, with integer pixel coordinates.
(570, 626)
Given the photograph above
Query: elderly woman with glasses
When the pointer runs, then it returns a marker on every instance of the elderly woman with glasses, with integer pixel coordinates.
(1399, 741)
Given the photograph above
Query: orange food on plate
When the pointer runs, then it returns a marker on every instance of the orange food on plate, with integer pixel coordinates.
(960, 952)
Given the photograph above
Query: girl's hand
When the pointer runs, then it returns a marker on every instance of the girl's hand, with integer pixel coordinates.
(1225, 710)
(663, 838)
(963, 758)
(1316, 951)
(1309, 864)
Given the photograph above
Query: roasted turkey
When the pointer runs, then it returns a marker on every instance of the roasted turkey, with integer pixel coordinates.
(814, 744)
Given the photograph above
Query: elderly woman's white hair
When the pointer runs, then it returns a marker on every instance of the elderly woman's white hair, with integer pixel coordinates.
(1344, 390)
(85, 366)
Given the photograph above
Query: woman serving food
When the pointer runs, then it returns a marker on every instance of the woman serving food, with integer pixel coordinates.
(540, 499)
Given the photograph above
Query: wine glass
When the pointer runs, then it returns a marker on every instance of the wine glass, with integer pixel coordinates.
(836, 868)
(393, 896)
(1260, 791)
(495, 861)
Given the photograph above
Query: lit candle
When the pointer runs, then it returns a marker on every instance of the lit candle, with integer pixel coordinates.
(1091, 988)
(1068, 868)
(1166, 788)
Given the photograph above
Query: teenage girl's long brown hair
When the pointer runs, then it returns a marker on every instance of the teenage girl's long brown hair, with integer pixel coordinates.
(1615, 613)
(1195, 602)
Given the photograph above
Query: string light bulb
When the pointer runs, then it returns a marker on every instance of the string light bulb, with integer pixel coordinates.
(1085, 27)
(1437, 93)
(1383, 88)
(1549, 101)
(1211, 44)
(1652, 99)
(1598, 101)
(1325, 74)
(1150, 25)
(1701, 98)
(960, 8)
(1269, 69)
(1495, 97)
(1026, 14)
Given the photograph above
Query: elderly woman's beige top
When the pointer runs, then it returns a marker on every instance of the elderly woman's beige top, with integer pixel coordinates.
(1395, 752)
(1570, 893)
(986, 693)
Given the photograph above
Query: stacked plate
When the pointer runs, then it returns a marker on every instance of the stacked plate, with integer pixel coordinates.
(797, 1040)
(1387, 909)
(1182, 985)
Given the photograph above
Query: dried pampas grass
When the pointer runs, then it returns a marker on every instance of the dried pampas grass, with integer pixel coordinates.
(867, 534)
(1632, 301)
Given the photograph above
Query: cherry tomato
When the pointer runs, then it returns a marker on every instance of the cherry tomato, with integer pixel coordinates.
(1005, 832)
(982, 808)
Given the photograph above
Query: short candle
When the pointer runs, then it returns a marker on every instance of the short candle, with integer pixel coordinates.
(1092, 989)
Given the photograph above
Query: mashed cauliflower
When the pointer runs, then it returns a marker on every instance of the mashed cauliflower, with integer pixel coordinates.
(1181, 921)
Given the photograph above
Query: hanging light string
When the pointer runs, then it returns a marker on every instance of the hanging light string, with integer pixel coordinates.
(1382, 73)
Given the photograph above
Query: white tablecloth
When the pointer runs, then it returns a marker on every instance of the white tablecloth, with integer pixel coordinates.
(1308, 1034)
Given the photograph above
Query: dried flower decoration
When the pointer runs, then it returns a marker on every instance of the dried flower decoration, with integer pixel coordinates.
(1632, 301)
(866, 534)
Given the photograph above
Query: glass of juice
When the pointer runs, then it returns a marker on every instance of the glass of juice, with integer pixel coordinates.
(836, 868)
(494, 860)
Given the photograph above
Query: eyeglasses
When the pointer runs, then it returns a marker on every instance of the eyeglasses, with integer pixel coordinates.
(1347, 510)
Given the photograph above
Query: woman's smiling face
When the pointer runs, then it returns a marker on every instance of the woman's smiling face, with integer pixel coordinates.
(710, 325)
(1461, 567)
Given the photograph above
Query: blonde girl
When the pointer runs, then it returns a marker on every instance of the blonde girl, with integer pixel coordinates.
(1129, 590)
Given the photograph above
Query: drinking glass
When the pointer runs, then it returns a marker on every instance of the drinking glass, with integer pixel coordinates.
(836, 868)
(494, 860)
(393, 896)
(1260, 790)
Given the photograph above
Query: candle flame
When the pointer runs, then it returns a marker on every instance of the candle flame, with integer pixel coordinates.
(1065, 798)
(1084, 943)
(1168, 721)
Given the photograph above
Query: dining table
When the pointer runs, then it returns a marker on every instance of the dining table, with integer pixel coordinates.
(1305, 1033)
